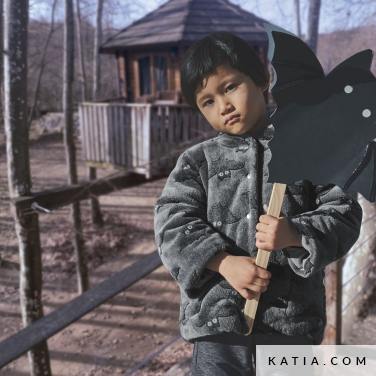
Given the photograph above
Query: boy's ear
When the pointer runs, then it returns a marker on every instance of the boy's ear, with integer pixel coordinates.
(265, 87)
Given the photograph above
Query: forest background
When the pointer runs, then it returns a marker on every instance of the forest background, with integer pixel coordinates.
(345, 27)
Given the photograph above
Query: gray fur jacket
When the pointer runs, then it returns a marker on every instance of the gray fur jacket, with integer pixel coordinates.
(211, 203)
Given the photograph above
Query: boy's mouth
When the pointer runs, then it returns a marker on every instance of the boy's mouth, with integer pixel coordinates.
(231, 119)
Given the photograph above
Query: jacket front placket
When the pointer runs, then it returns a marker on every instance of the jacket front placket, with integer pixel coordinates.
(253, 196)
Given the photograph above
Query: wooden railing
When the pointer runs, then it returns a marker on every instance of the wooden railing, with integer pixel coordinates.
(143, 138)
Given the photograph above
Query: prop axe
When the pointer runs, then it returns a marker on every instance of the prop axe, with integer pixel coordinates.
(324, 125)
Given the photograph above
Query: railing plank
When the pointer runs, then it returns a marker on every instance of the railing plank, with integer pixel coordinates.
(19, 343)
(146, 141)
(96, 140)
(164, 130)
(186, 117)
(82, 130)
(89, 130)
(127, 113)
(106, 112)
(111, 133)
(119, 134)
(55, 198)
(154, 143)
(101, 134)
(133, 128)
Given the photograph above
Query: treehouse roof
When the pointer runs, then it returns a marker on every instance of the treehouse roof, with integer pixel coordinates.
(188, 21)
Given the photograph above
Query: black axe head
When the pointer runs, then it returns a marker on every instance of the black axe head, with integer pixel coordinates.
(323, 124)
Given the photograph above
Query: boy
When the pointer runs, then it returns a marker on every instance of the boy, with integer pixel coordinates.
(207, 229)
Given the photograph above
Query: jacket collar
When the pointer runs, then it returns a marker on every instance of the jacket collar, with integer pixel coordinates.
(264, 134)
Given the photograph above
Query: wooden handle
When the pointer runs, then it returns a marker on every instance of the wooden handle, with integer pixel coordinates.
(262, 258)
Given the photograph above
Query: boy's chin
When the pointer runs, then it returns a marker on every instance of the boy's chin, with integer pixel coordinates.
(238, 131)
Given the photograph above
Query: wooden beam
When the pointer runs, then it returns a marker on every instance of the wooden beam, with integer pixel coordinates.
(332, 329)
(55, 198)
(16, 345)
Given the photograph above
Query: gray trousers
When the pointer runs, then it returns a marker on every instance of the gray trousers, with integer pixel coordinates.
(230, 354)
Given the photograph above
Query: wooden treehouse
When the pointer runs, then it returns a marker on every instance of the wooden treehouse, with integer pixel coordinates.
(151, 124)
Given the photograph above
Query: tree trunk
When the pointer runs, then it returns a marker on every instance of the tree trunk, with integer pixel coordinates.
(81, 65)
(70, 149)
(19, 178)
(97, 61)
(297, 18)
(313, 23)
(96, 215)
(1, 64)
(40, 74)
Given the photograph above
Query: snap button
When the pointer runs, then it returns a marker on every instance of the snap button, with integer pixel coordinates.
(219, 223)
(187, 231)
(214, 223)
(248, 215)
(248, 176)
(366, 113)
(317, 201)
(220, 174)
(190, 226)
(215, 321)
(209, 323)
(227, 172)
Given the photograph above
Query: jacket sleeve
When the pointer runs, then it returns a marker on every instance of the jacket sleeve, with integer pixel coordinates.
(185, 239)
(326, 233)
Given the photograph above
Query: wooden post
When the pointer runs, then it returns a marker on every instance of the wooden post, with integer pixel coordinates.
(333, 292)
(339, 302)
(70, 148)
(1, 64)
(19, 177)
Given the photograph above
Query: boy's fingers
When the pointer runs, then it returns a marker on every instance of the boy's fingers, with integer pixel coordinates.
(267, 219)
(263, 227)
(263, 273)
(262, 236)
(248, 294)
(264, 245)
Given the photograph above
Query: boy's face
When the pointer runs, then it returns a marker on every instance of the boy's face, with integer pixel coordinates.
(232, 103)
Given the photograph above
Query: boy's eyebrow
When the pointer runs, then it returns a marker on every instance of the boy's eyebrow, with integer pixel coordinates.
(202, 98)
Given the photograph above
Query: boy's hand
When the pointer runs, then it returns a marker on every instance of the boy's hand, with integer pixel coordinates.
(276, 233)
(241, 273)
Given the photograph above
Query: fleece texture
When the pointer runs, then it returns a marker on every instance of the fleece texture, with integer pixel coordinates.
(212, 202)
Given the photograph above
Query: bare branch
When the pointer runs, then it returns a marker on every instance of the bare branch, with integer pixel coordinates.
(42, 63)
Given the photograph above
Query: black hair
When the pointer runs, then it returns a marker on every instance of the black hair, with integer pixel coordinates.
(205, 56)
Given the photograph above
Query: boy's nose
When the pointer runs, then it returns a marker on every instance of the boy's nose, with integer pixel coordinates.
(226, 107)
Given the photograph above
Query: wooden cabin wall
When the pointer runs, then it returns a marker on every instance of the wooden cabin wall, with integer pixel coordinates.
(178, 62)
(121, 61)
(130, 63)
(132, 66)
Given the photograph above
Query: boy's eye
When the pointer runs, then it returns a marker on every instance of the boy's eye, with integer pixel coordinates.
(208, 102)
(230, 88)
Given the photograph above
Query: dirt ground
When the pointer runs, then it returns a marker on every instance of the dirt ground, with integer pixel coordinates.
(118, 335)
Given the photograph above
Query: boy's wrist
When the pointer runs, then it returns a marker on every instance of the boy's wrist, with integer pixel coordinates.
(219, 262)
(295, 240)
